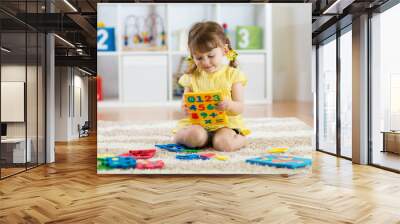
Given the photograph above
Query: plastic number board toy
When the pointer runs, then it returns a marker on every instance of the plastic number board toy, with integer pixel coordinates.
(202, 109)
(281, 161)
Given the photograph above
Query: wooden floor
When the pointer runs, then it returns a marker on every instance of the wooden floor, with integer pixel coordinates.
(8, 171)
(386, 159)
(70, 191)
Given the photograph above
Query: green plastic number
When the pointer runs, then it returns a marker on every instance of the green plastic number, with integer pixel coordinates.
(203, 114)
(210, 107)
(216, 98)
(244, 39)
(248, 37)
(191, 99)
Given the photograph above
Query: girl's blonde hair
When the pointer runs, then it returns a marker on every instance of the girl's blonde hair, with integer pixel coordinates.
(205, 36)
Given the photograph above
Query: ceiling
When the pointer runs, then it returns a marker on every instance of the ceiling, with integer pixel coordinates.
(76, 26)
(77, 22)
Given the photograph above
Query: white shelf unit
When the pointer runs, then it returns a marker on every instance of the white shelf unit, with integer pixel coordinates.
(139, 77)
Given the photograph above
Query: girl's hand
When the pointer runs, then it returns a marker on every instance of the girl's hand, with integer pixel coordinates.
(224, 105)
(185, 110)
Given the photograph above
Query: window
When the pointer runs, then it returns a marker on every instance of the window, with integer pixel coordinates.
(346, 94)
(22, 75)
(327, 96)
(385, 89)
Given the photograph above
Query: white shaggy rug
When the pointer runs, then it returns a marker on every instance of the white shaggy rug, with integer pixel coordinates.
(120, 137)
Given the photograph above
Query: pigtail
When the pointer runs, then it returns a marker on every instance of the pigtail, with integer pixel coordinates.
(191, 66)
(232, 62)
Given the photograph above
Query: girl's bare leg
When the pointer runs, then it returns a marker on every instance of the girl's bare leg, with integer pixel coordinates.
(226, 139)
(192, 136)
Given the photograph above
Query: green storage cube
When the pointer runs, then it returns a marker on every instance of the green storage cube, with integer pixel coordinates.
(248, 37)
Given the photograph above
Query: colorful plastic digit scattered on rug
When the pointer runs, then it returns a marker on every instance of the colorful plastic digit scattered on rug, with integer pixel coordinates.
(202, 109)
(281, 161)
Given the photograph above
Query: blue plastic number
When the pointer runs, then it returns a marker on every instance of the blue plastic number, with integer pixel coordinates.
(199, 99)
(105, 39)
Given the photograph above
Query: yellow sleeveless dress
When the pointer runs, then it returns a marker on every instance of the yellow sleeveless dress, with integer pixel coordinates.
(221, 80)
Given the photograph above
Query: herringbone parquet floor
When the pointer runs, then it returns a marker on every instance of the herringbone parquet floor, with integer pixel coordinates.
(70, 191)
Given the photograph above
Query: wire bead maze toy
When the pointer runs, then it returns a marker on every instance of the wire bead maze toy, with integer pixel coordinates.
(144, 32)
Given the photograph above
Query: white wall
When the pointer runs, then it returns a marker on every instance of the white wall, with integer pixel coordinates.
(17, 73)
(13, 73)
(79, 117)
(289, 47)
(70, 83)
(62, 80)
(108, 70)
(13, 101)
(33, 126)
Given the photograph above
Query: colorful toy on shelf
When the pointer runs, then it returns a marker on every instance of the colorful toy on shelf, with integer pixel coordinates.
(99, 88)
(277, 150)
(136, 39)
(178, 89)
(125, 40)
(146, 38)
(131, 28)
(202, 109)
(225, 26)
(141, 153)
(105, 37)
(281, 161)
(163, 38)
(144, 33)
(171, 147)
(146, 164)
(121, 162)
(100, 24)
(248, 37)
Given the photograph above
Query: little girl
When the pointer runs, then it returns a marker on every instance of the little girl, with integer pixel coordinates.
(208, 45)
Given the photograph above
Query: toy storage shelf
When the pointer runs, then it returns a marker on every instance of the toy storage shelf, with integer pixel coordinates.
(138, 76)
